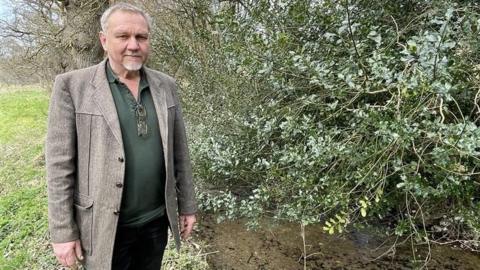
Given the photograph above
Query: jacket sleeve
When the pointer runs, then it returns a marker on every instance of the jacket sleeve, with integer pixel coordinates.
(182, 165)
(60, 155)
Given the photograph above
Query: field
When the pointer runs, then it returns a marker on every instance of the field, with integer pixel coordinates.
(24, 240)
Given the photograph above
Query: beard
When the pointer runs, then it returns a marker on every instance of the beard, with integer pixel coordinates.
(132, 66)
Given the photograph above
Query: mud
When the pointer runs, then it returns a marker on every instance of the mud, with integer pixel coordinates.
(281, 246)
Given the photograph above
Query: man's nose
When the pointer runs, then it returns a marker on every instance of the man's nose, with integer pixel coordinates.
(132, 44)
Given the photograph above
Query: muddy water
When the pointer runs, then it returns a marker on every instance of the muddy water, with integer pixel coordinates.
(281, 246)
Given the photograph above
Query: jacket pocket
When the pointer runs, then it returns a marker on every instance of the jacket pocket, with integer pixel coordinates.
(84, 218)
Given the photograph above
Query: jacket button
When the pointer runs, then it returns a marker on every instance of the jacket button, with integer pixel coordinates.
(120, 159)
(119, 185)
(116, 212)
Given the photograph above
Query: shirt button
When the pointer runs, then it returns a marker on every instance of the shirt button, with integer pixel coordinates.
(119, 185)
(120, 159)
(116, 212)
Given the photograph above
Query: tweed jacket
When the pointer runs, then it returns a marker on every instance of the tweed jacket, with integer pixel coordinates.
(85, 160)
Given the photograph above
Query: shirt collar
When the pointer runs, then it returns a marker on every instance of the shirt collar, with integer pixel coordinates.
(113, 78)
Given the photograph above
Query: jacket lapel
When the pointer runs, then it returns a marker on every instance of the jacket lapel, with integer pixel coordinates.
(104, 99)
(158, 91)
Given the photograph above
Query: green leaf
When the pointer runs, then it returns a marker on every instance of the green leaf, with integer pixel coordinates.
(363, 212)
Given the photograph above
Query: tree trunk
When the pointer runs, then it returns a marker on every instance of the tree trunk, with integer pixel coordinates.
(80, 37)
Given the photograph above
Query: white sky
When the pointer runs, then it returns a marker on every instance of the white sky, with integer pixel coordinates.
(4, 8)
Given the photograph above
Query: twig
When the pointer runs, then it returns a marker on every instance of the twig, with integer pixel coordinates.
(440, 109)
(435, 62)
(302, 229)
(350, 31)
(463, 243)
(208, 253)
(429, 254)
(396, 28)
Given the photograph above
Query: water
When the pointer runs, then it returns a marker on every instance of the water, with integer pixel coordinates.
(282, 247)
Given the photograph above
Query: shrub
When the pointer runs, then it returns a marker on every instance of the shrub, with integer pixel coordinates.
(362, 111)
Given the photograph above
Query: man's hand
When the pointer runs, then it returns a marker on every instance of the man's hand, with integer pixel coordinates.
(68, 253)
(186, 225)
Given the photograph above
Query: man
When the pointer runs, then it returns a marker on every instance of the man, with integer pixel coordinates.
(118, 168)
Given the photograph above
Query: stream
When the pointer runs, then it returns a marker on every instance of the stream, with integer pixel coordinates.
(232, 247)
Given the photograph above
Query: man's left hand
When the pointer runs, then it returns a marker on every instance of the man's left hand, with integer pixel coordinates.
(186, 225)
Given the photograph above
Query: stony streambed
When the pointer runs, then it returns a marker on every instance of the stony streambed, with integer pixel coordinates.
(281, 246)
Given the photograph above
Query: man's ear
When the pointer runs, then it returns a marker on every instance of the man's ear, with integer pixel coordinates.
(103, 40)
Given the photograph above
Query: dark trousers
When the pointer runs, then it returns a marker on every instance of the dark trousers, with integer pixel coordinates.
(140, 248)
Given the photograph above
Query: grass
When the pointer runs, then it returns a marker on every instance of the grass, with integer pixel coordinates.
(23, 223)
(24, 240)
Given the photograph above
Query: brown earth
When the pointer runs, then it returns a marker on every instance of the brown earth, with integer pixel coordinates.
(233, 247)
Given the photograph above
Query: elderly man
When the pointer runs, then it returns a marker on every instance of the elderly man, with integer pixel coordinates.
(117, 161)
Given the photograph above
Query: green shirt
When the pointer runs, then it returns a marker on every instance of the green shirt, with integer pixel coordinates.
(144, 187)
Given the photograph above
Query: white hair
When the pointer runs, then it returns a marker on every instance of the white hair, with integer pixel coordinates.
(123, 7)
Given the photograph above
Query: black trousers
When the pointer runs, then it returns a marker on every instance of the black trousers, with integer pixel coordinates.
(140, 248)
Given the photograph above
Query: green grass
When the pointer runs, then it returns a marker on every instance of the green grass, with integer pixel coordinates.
(24, 241)
(23, 223)
(22, 115)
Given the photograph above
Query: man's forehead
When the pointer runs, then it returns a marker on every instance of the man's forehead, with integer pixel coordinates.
(122, 17)
(126, 28)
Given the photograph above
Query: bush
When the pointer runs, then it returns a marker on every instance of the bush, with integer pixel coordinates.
(360, 112)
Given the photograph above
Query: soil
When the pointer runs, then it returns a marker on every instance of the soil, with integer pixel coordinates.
(280, 246)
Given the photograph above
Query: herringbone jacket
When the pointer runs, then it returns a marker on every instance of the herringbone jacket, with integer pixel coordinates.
(85, 160)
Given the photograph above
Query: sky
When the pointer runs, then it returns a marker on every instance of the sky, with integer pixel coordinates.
(4, 8)
(5, 13)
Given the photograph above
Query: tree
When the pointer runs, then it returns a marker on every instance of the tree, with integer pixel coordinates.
(49, 37)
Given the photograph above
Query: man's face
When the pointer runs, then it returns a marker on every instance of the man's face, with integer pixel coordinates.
(126, 41)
